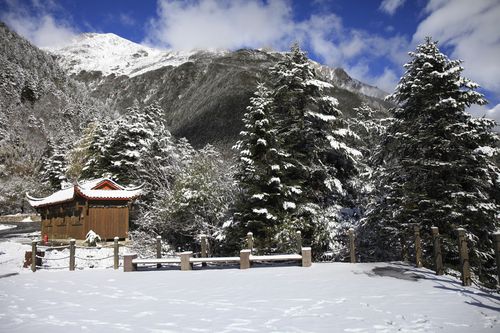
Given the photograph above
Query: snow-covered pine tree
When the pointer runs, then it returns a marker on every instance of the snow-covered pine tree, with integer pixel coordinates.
(369, 129)
(54, 165)
(131, 139)
(80, 153)
(312, 133)
(118, 146)
(159, 169)
(261, 203)
(96, 160)
(435, 165)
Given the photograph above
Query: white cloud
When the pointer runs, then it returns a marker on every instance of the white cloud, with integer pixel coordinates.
(386, 81)
(38, 26)
(470, 29)
(126, 19)
(220, 24)
(391, 6)
(185, 25)
(485, 111)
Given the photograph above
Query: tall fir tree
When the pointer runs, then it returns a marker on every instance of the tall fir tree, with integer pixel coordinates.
(434, 164)
(95, 157)
(131, 140)
(54, 164)
(311, 130)
(305, 165)
(261, 203)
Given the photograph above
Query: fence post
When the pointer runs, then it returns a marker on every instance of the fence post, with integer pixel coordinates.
(203, 248)
(497, 252)
(352, 248)
(298, 239)
(33, 256)
(185, 264)
(116, 262)
(306, 257)
(438, 257)
(128, 266)
(418, 246)
(245, 259)
(158, 250)
(250, 241)
(464, 257)
(72, 254)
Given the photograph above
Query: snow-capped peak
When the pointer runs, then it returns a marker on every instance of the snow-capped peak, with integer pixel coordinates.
(340, 78)
(112, 54)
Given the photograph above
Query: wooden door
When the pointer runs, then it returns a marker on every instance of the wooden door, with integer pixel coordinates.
(108, 222)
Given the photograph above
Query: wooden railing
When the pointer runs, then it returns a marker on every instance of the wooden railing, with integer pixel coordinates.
(186, 259)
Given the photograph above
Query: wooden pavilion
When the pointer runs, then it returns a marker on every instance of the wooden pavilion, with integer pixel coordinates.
(100, 205)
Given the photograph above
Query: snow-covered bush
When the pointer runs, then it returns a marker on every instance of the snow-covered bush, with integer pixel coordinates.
(196, 201)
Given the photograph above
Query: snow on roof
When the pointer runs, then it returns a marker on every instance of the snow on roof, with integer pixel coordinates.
(86, 190)
(109, 194)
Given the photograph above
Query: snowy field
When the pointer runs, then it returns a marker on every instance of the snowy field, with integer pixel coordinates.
(335, 297)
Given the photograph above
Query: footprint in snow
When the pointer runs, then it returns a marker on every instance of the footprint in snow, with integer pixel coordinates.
(143, 314)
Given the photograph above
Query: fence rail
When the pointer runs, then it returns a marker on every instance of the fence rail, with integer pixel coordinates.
(186, 259)
(71, 258)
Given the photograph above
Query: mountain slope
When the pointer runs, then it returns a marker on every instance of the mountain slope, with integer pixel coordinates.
(38, 103)
(204, 93)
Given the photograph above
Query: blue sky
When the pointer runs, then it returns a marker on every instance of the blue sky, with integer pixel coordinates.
(368, 38)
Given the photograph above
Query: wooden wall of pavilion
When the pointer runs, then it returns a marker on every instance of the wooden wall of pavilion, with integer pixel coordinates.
(74, 219)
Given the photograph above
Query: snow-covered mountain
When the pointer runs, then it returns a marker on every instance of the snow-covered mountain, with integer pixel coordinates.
(340, 78)
(112, 54)
(204, 93)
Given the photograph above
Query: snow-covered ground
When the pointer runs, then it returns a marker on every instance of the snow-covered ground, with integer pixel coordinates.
(6, 226)
(329, 297)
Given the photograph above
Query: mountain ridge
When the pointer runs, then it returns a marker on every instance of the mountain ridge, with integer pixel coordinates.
(111, 54)
(204, 94)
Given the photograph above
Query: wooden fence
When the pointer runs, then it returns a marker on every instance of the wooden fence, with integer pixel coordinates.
(437, 252)
(186, 259)
(37, 255)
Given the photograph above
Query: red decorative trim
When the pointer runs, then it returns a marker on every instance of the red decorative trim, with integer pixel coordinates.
(106, 184)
